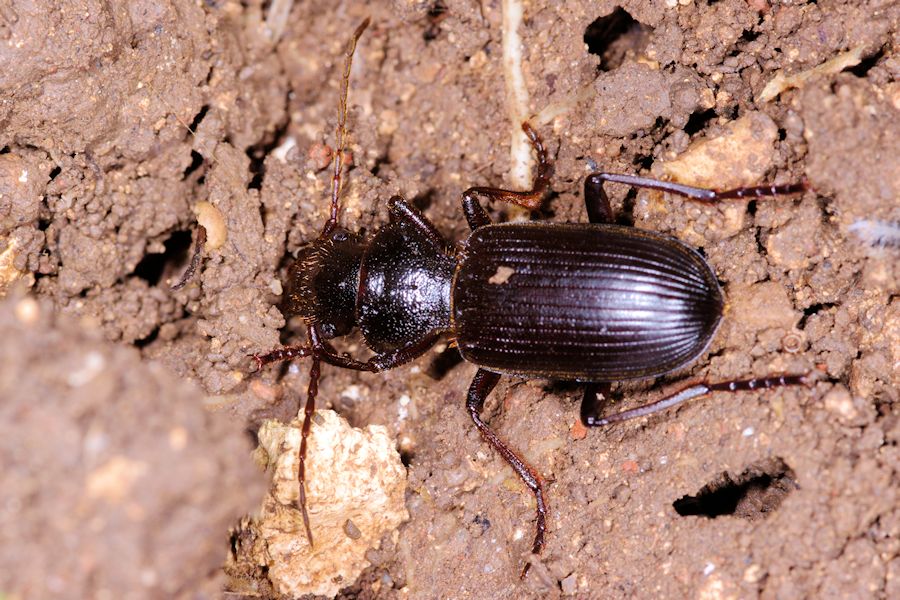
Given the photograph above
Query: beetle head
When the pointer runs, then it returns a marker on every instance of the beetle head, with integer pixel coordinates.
(324, 280)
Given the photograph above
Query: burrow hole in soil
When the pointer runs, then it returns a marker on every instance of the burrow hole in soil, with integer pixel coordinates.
(752, 495)
(615, 37)
(153, 266)
(443, 363)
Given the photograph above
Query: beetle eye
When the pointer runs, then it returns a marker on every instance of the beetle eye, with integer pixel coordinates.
(339, 236)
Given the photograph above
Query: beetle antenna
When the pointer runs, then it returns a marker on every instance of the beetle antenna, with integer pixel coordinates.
(308, 412)
(341, 133)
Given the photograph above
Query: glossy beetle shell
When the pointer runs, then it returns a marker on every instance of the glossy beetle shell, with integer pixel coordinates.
(582, 302)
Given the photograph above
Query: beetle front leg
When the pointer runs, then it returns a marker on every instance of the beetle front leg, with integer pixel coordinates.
(530, 199)
(476, 216)
(596, 201)
(695, 391)
(379, 362)
(481, 387)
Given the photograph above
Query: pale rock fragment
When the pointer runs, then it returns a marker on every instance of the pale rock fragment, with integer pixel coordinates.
(353, 475)
(8, 271)
(739, 157)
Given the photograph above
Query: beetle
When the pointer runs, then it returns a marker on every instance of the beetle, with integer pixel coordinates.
(592, 303)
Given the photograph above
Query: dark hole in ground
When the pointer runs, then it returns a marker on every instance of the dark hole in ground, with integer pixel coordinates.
(424, 200)
(863, 68)
(442, 363)
(546, 211)
(257, 156)
(196, 162)
(811, 310)
(149, 339)
(258, 153)
(433, 18)
(752, 495)
(643, 162)
(198, 118)
(625, 215)
(698, 121)
(749, 35)
(614, 37)
(380, 162)
(152, 266)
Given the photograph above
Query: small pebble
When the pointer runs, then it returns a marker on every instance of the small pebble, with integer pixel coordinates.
(352, 530)
(569, 585)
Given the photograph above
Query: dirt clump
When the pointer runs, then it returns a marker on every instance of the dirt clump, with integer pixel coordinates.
(117, 482)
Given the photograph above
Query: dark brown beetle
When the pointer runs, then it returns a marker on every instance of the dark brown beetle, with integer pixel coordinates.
(593, 302)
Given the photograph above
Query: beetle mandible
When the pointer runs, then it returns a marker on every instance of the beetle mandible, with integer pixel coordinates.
(592, 303)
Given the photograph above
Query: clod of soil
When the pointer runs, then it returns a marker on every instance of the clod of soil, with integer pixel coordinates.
(117, 482)
(355, 488)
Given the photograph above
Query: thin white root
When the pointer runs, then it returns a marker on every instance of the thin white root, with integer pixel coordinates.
(517, 96)
(277, 17)
(781, 82)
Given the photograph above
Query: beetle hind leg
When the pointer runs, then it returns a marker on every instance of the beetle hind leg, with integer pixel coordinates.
(481, 386)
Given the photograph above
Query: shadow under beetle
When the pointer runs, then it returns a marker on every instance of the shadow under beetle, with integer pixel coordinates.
(592, 303)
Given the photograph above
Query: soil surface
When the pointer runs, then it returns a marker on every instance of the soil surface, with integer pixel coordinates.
(126, 404)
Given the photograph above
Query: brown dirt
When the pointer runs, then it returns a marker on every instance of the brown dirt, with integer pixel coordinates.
(99, 174)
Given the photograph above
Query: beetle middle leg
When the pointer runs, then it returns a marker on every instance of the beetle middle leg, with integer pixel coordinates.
(482, 385)
(593, 185)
